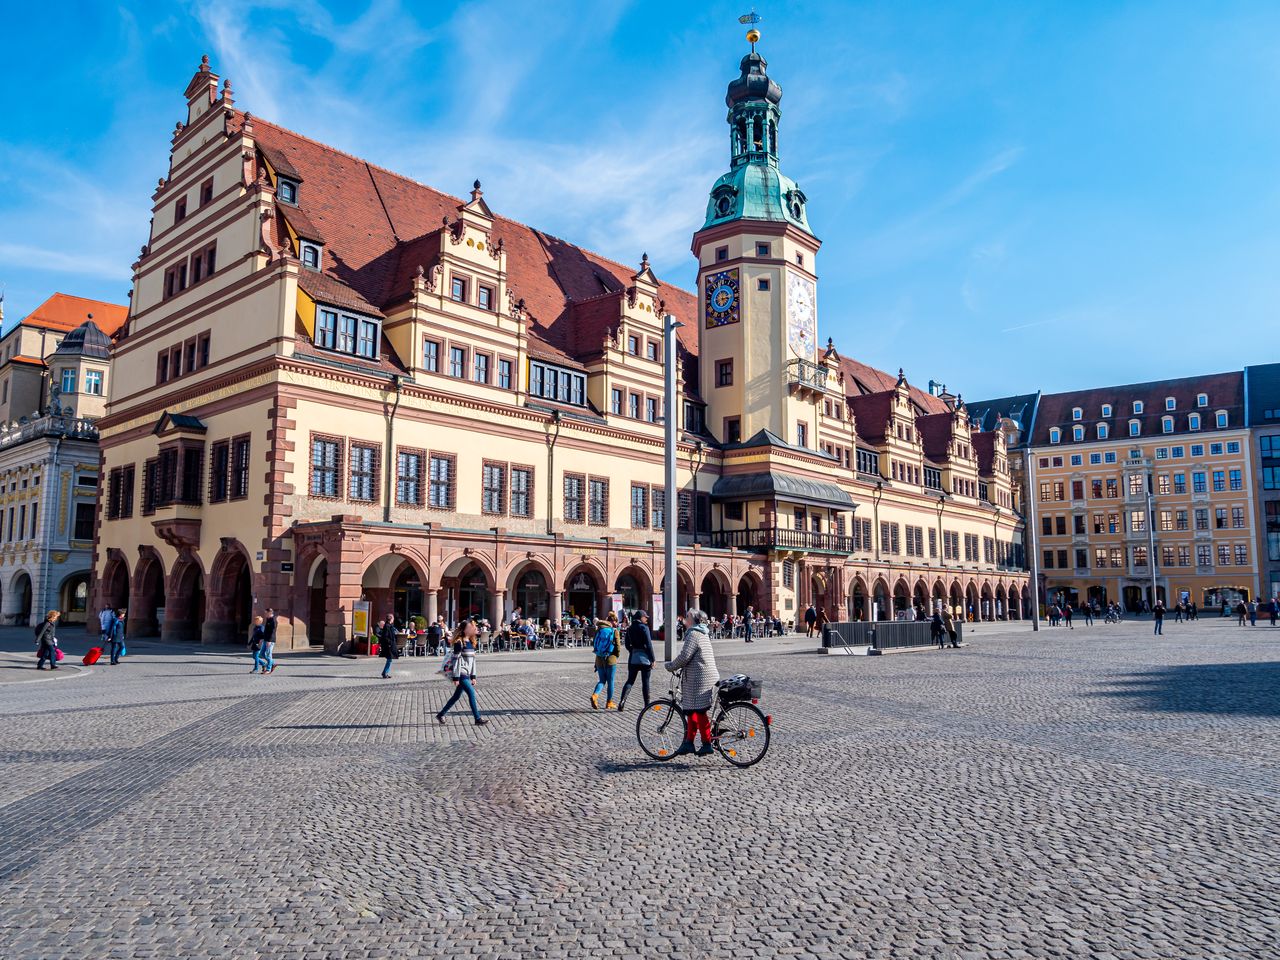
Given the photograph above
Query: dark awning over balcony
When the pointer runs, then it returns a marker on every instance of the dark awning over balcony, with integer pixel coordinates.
(774, 485)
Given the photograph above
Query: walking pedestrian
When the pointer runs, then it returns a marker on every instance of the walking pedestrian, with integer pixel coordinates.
(748, 627)
(1087, 610)
(117, 636)
(269, 640)
(257, 640)
(936, 630)
(1157, 614)
(810, 618)
(47, 641)
(640, 657)
(949, 624)
(105, 618)
(1066, 615)
(461, 669)
(1253, 613)
(1241, 613)
(606, 648)
(821, 621)
(1272, 607)
(387, 643)
(697, 661)
(1177, 612)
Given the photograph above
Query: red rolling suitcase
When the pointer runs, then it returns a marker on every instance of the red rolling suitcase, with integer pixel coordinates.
(92, 656)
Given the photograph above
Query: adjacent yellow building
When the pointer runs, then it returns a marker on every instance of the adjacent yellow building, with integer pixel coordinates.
(345, 385)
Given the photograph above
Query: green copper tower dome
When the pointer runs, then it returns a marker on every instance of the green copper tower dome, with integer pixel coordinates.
(754, 188)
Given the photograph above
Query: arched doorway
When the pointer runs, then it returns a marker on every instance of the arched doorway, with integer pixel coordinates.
(881, 609)
(73, 597)
(317, 603)
(473, 594)
(957, 601)
(20, 595)
(920, 598)
(714, 596)
(115, 584)
(532, 596)
(582, 594)
(1002, 605)
(184, 603)
(987, 610)
(858, 600)
(939, 597)
(633, 585)
(146, 605)
(971, 612)
(684, 589)
(406, 595)
(901, 598)
(748, 593)
(230, 602)
(1015, 606)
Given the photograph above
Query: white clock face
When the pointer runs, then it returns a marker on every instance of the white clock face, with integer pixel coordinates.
(801, 316)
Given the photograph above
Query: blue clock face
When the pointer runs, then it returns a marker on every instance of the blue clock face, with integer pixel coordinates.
(720, 298)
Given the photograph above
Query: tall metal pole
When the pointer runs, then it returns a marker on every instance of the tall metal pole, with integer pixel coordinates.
(671, 414)
(1031, 529)
(1151, 539)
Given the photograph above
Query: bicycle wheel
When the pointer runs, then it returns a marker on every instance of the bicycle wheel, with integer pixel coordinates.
(660, 729)
(741, 734)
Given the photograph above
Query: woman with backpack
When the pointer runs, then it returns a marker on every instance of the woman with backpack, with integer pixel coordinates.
(697, 661)
(47, 642)
(606, 648)
(640, 656)
(460, 666)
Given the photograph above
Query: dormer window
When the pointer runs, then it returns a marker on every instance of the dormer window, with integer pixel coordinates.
(343, 332)
(1102, 431)
(1106, 409)
(1135, 428)
(1137, 406)
(1166, 424)
(1193, 421)
(1170, 403)
(1202, 399)
(1077, 413)
(1077, 433)
(287, 191)
(311, 256)
(1055, 435)
(1221, 418)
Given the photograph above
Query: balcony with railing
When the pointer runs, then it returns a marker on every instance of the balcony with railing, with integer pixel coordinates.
(47, 425)
(804, 375)
(782, 538)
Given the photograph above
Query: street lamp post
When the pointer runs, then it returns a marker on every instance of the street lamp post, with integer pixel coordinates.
(942, 543)
(669, 593)
(1031, 529)
(1151, 540)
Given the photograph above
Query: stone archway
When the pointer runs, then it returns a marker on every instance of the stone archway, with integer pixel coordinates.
(583, 591)
(986, 603)
(939, 597)
(956, 600)
(920, 597)
(636, 589)
(880, 609)
(229, 605)
(713, 597)
(73, 597)
(901, 598)
(147, 596)
(858, 604)
(19, 598)
(317, 601)
(971, 609)
(114, 588)
(749, 592)
(1001, 610)
(184, 602)
(529, 588)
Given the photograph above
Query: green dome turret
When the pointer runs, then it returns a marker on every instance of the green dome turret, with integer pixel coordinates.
(754, 188)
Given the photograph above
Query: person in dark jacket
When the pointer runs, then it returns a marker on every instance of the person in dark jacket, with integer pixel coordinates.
(810, 619)
(256, 644)
(387, 643)
(936, 629)
(47, 641)
(117, 637)
(640, 657)
(269, 641)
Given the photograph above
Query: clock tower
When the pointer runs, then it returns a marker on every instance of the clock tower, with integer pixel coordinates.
(757, 279)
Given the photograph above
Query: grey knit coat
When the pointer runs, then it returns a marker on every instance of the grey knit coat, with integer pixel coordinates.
(698, 661)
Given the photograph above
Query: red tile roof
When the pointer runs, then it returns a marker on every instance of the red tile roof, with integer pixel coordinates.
(935, 435)
(65, 312)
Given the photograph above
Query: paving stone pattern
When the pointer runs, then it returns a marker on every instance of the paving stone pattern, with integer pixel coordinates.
(1089, 793)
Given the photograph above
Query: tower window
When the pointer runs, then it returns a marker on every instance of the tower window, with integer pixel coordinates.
(762, 283)
(458, 291)
(206, 192)
(722, 254)
(724, 373)
(485, 297)
(180, 209)
(764, 250)
(800, 259)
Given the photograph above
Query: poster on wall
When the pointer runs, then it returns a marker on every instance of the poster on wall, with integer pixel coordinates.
(657, 611)
(615, 601)
(360, 619)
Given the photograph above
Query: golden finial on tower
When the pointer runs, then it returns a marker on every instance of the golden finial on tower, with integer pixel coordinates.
(753, 35)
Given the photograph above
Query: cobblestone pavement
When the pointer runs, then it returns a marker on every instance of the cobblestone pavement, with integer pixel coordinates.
(1090, 793)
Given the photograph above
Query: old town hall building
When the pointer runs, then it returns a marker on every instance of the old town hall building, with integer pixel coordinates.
(343, 384)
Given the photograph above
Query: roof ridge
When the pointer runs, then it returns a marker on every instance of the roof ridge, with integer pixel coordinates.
(448, 196)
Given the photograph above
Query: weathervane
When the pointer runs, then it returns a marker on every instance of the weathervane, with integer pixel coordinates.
(753, 35)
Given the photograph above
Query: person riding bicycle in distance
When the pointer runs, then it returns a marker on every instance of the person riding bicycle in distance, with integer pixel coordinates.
(698, 681)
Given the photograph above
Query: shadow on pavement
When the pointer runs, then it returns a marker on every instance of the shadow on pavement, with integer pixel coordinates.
(1250, 689)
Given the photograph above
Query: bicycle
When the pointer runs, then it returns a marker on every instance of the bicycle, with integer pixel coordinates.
(739, 729)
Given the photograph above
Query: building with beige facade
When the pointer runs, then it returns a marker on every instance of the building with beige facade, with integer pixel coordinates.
(343, 384)
(54, 381)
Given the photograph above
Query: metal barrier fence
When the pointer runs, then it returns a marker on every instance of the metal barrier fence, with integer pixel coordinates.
(882, 635)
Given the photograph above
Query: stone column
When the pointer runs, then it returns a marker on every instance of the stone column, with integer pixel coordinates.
(497, 605)
(733, 603)
(556, 610)
(433, 606)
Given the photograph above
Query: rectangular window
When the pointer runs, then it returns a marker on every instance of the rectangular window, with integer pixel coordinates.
(367, 346)
(1180, 520)
(457, 362)
(325, 467)
(615, 401)
(202, 349)
(598, 502)
(1137, 520)
(1202, 519)
(362, 473)
(522, 491)
(458, 290)
(639, 507)
(1082, 559)
(441, 482)
(1179, 483)
(1220, 518)
(93, 384)
(1077, 490)
(68, 381)
(493, 488)
(485, 297)
(764, 249)
(1137, 483)
(1204, 555)
(346, 334)
(239, 468)
(219, 471)
(633, 346)
(732, 430)
(83, 521)
(1219, 480)
(409, 478)
(724, 373)
(573, 496)
(1237, 480)
(633, 406)
(651, 409)
(326, 329)
(481, 374)
(1224, 554)
(1237, 517)
(658, 508)
(180, 209)
(206, 192)
(1139, 555)
(1198, 483)
(651, 349)
(192, 474)
(189, 350)
(1060, 522)
(1242, 555)
(504, 374)
(430, 356)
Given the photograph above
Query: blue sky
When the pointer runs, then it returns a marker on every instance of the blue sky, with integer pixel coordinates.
(1010, 195)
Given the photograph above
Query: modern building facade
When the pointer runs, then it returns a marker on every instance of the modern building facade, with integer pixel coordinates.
(1143, 491)
(1262, 400)
(54, 380)
(344, 384)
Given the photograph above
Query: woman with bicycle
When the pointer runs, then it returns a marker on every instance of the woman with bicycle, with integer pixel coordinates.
(697, 661)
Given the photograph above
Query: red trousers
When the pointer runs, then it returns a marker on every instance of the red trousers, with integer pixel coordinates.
(697, 722)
